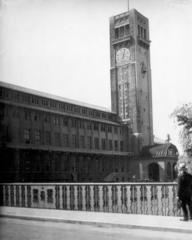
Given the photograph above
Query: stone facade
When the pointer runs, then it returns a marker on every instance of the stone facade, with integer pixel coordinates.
(49, 138)
(131, 93)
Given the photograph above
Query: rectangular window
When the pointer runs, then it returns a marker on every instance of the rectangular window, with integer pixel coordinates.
(109, 129)
(44, 102)
(25, 98)
(116, 145)
(127, 30)
(73, 141)
(65, 122)
(110, 145)
(84, 111)
(77, 109)
(26, 134)
(121, 146)
(35, 100)
(115, 130)
(139, 30)
(53, 104)
(103, 144)
(102, 128)
(47, 138)
(81, 124)
(91, 113)
(56, 120)
(65, 140)
(37, 135)
(88, 126)
(47, 119)
(74, 123)
(96, 127)
(37, 117)
(57, 139)
(97, 114)
(96, 143)
(89, 142)
(27, 115)
(81, 142)
(145, 36)
(116, 33)
(121, 31)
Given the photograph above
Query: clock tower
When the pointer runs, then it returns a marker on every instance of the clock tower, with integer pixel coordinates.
(131, 91)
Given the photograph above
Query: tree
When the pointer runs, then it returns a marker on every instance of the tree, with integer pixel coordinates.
(182, 115)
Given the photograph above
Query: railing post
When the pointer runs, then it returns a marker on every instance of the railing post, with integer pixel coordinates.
(92, 198)
(110, 203)
(101, 198)
(119, 204)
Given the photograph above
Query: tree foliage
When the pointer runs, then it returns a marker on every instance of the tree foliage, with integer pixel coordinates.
(182, 115)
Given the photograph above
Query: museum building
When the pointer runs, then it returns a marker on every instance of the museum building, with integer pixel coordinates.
(47, 138)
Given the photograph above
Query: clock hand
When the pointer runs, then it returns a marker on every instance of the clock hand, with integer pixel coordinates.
(123, 53)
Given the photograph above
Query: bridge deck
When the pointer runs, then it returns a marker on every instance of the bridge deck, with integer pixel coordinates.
(158, 223)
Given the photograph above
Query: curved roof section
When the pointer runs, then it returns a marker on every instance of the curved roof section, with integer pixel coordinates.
(53, 97)
(158, 151)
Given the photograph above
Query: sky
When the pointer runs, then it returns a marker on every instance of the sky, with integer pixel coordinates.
(62, 47)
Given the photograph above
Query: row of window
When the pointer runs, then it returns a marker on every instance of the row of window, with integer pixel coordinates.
(142, 32)
(74, 142)
(37, 117)
(122, 31)
(52, 104)
(68, 163)
(68, 122)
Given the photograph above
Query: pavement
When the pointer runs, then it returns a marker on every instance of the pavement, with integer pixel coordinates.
(100, 219)
(22, 229)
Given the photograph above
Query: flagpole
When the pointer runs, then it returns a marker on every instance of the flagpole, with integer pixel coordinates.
(128, 4)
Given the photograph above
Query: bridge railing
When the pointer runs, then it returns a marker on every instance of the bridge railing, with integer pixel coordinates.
(128, 198)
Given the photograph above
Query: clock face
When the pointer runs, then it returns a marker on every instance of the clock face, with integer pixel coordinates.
(123, 55)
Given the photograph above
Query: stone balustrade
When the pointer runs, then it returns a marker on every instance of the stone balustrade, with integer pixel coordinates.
(128, 198)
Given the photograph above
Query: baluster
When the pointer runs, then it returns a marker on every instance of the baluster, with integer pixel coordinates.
(133, 200)
(20, 196)
(68, 197)
(75, 198)
(123, 199)
(128, 198)
(110, 203)
(92, 198)
(119, 204)
(60, 189)
(9, 195)
(153, 199)
(4, 198)
(170, 201)
(149, 202)
(159, 200)
(138, 199)
(25, 194)
(101, 198)
(83, 198)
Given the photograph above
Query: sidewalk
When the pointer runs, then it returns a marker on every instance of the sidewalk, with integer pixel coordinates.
(158, 223)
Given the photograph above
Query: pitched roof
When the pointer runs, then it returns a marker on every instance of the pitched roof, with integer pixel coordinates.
(53, 97)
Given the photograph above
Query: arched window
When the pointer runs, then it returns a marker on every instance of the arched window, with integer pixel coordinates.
(174, 171)
(168, 171)
(153, 171)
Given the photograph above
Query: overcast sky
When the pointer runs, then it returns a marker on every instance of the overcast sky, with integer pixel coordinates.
(62, 47)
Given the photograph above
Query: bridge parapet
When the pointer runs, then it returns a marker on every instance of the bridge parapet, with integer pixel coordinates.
(129, 198)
